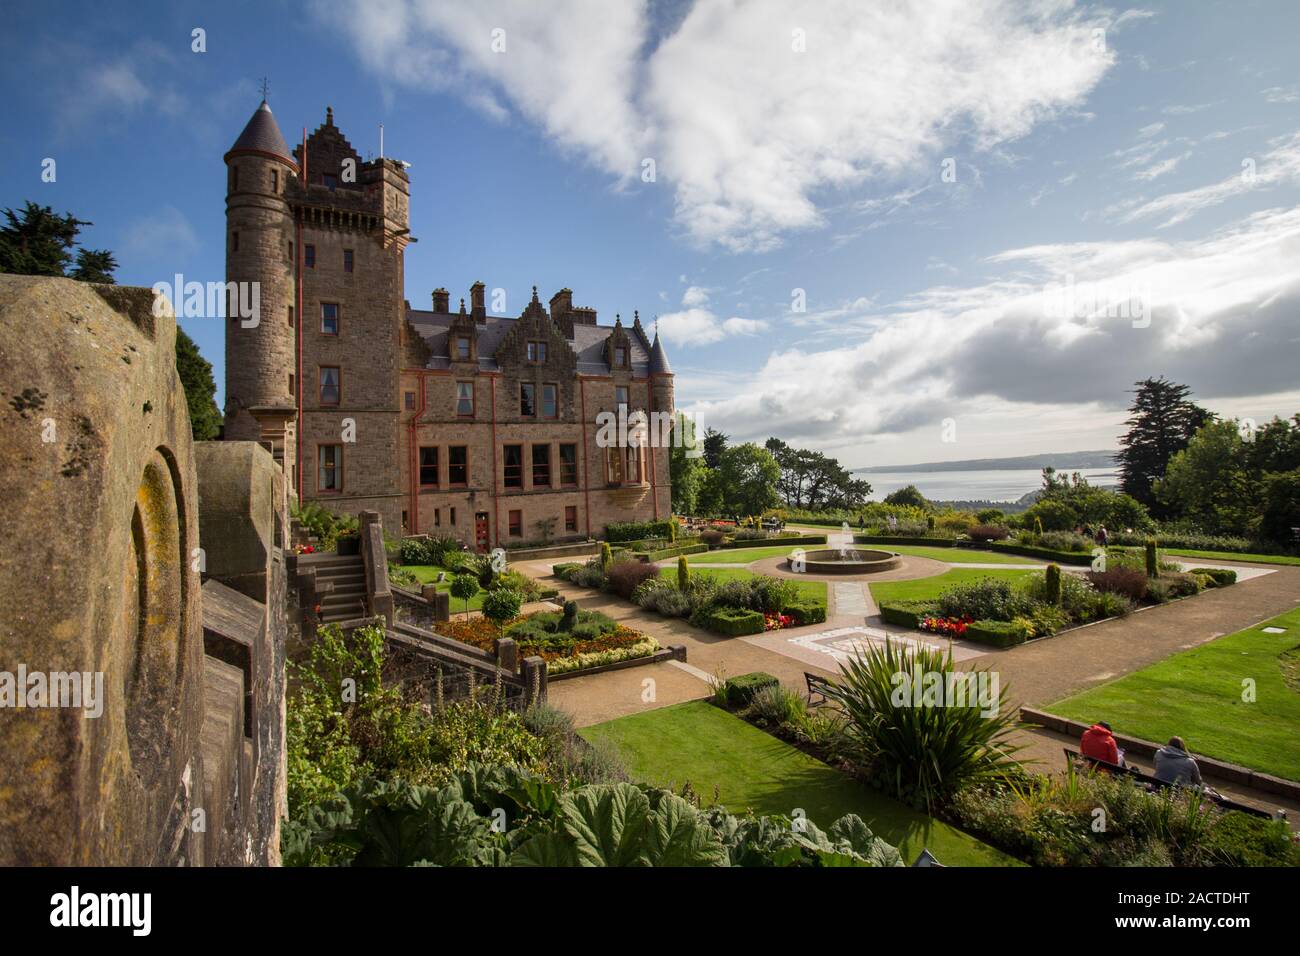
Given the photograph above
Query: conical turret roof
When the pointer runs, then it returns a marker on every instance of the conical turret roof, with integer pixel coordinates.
(262, 135)
(659, 358)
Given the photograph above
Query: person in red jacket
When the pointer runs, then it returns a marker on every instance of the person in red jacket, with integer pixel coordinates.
(1098, 743)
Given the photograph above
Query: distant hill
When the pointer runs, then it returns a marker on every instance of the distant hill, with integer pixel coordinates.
(1061, 461)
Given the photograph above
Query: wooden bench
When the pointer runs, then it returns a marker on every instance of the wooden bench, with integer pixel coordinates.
(1074, 757)
(817, 687)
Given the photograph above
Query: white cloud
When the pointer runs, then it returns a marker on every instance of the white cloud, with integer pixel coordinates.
(1005, 356)
(696, 324)
(747, 131)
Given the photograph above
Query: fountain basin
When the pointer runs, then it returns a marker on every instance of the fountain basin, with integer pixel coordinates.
(851, 561)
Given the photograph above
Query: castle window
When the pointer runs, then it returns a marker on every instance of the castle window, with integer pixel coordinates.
(568, 464)
(465, 399)
(234, 178)
(457, 470)
(462, 348)
(410, 401)
(428, 466)
(437, 517)
(329, 318)
(550, 402)
(620, 356)
(347, 260)
(632, 473)
(275, 180)
(527, 399)
(290, 316)
(291, 383)
(537, 352)
(329, 462)
(541, 466)
(570, 517)
(329, 385)
(452, 516)
(512, 459)
(516, 524)
(309, 256)
(614, 466)
(620, 395)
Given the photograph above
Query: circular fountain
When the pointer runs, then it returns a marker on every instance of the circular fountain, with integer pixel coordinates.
(846, 561)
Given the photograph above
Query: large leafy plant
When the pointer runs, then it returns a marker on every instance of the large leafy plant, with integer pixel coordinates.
(923, 752)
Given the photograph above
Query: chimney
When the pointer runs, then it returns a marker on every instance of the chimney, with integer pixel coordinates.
(561, 304)
(476, 306)
(441, 300)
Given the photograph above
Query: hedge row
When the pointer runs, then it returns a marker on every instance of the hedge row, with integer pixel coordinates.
(907, 613)
(1221, 577)
(997, 633)
(734, 621)
(739, 691)
(904, 539)
(1046, 554)
(773, 542)
(637, 531)
(669, 552)
(806, 612)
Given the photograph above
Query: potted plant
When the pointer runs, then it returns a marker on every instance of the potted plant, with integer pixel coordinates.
(348, 542)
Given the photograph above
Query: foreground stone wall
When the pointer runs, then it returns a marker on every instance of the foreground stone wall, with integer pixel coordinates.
(100, 587)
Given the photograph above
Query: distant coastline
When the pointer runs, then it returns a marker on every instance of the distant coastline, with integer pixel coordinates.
(1061, 461)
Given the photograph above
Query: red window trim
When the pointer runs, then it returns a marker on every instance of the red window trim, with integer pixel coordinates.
(338, 469)
(473, 399)
(437, 450)
(320, 385)
(458, 484)
(505, 474)
(338, 319)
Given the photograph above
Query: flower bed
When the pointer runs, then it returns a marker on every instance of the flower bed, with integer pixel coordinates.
(562, 651)
(947, 626)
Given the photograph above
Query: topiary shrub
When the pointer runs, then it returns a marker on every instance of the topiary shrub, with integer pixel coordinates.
(988, 532)
(1221, 577)
(733, 621)
(998, 633)
(806, 612)
(570, 615)
(739, 691)
(683, 573)
(1153, 562)
(712, 537)
(502, 605)
(464, 587)
(606, 556)
(1054, 584)
(907, 613)
(623, 577)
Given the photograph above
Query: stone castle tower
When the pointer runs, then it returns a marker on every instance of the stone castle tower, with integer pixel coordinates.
(466, 423)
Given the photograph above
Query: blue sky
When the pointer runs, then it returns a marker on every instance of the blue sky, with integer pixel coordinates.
(1144, 162)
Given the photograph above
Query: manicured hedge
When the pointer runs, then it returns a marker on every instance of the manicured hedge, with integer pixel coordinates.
(637, 531)
(1046, 554)
(806, 612)
(904, 539)
(774, 542)
(997, 633)
(739, 691)
(734, 621)
(566, 568)
(907, 613)
(1221, 577)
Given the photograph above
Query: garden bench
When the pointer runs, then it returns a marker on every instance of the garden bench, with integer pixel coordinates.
(1153, 783)
(817, 686)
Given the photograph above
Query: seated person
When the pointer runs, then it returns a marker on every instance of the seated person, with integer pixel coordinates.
(1098, 743)
(1174, 765)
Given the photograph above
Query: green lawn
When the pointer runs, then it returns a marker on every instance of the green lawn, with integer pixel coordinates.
(954, 555)
(753, 770)
(746, 555)
(926, 589)
(1231, 556)
(1197, 695)
(808, 590)
(428, 574)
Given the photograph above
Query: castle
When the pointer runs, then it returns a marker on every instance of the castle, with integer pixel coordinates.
(460, 423)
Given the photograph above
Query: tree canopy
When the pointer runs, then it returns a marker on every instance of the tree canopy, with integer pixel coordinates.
(1161, 423)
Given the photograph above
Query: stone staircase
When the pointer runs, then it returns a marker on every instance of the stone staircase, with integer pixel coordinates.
(342, 579)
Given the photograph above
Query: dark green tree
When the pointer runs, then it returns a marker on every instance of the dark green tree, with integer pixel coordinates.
(200, 388)
(685, 471)
(715, 443)
(746, 480)
(94, 265)
(37, 241)
(909, 495)
(1162, 421)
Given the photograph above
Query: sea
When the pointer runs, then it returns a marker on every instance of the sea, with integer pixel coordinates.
(1009, 484)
